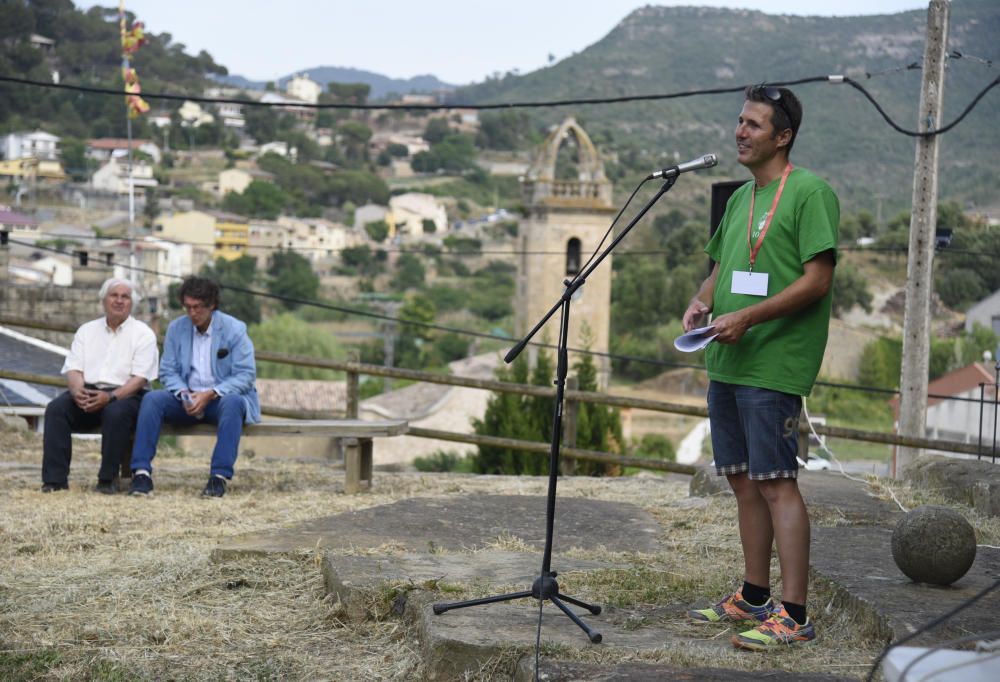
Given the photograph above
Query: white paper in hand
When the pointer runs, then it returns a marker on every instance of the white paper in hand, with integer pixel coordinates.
(696, 339)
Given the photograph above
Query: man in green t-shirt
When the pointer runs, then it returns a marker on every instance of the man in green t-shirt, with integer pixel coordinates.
(769, 293)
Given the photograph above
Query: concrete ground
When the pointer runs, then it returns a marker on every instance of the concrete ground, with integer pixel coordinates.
(854, 557)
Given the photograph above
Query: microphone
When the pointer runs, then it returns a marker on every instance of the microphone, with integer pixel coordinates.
(701, 162)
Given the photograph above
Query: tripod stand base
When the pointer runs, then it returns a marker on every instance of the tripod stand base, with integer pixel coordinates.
(545, 587)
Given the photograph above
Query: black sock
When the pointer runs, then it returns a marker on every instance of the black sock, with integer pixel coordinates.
(755, 594)
(796, 611)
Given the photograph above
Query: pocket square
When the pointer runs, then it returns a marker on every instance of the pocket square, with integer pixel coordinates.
(223, 352)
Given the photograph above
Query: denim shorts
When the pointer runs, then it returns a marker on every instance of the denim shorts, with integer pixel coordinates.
(754, 431)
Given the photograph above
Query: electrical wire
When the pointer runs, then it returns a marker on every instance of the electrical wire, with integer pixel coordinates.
(937, 621)
(484, 335)
(834, 79)
(389, 318)
(916, 133)
(939, 647)
(442, 252)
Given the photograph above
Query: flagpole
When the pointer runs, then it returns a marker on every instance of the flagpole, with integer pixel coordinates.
(128, 126)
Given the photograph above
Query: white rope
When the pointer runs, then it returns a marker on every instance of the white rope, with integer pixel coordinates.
(833, 457)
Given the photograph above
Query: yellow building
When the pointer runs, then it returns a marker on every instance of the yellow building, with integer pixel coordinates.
(232, 236)
(196, 228)
(31, 168)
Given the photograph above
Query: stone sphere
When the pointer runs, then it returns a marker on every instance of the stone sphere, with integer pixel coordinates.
(934, 544)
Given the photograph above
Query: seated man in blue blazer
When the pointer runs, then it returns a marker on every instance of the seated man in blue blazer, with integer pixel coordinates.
(209, 374)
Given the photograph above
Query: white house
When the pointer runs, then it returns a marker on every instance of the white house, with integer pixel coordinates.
(318, 239)
(238, 179)
(302, 87)
(277, 147)
(159, 119)
(291, 105)
(966, 419)
(37, 144)
(114, 177)
(104, 148)
(59, 270)
(986, 313)
(193, 115)
(232, 115)
(369, 213)
(18, 225)
(264, 237)
(407, 213)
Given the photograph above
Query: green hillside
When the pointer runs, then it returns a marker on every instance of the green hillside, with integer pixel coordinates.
(87, 52)
(673, 49)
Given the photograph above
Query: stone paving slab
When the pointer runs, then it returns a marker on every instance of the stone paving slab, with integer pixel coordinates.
(349, 578)
(456, 643)
(858, 560)
(562, 671)
(462, 523)
(850, 500)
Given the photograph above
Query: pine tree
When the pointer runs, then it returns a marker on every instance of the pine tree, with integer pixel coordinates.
(530, 418)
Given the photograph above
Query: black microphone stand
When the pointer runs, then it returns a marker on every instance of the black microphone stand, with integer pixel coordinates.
(545, 585)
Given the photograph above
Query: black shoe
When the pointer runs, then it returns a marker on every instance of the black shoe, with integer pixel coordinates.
(216, 487)
(54, 487)
(142, 484)
(106, 487)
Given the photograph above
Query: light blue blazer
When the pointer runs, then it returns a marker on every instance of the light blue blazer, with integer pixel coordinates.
(234, 372)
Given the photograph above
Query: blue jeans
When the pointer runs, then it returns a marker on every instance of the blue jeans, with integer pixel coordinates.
(159, 407)
(754, 431)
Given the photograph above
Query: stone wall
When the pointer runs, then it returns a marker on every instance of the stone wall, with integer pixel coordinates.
(58, 305)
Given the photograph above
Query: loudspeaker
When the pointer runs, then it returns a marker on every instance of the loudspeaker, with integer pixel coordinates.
(721, 192)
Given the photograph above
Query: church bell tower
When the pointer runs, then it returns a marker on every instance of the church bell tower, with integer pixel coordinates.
(569, 204)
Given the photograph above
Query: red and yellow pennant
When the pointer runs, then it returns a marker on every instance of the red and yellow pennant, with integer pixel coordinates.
(134, 39)
(131, 41)
(136, 104)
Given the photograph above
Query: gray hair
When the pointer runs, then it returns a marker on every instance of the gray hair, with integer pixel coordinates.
(115, 281)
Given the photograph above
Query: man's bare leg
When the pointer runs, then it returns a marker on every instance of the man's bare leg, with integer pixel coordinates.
(756, 532)
(790, 526)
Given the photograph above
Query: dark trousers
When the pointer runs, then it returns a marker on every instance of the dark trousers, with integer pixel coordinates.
(63, 417)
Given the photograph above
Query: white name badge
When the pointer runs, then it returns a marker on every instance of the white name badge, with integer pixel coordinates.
(751, 283)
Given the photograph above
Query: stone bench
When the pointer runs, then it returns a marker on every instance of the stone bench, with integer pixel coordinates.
(355, 434)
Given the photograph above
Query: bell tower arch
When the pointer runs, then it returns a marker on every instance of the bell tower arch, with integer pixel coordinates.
(568, 200)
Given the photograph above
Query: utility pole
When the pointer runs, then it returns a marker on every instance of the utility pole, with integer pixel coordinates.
(916, 321)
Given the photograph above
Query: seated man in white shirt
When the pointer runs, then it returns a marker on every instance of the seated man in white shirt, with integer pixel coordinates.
(109, 366)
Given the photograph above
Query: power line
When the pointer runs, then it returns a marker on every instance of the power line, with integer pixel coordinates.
(436, 252)
(389, 318)
(833, 78)
(488, 336)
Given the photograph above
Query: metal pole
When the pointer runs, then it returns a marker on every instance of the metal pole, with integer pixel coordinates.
(916, 322)
(128, 127)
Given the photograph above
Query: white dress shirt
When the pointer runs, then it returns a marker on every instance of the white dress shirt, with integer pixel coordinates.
(201, 378)
(109, 357)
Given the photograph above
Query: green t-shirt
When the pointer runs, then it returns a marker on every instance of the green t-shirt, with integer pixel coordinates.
(784, 354)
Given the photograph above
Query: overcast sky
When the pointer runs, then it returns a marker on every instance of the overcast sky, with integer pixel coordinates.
(459, 41)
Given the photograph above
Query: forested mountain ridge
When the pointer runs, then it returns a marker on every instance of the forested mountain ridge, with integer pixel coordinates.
(677, 49)
(380, 85)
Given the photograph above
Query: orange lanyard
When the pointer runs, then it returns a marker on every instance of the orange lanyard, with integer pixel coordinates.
(767, 221)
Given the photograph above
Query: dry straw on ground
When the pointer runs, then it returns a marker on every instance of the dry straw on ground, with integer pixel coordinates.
(116, 588)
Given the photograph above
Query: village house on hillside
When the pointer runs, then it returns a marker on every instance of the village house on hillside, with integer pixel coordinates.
(106, 148)
(114, 176)
(18, 225)
(38, 144)
(967, 414)
(407, 213)
(986, 313)
(238, 179)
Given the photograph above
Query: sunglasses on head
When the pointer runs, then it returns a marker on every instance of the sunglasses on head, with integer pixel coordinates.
(774, 95)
